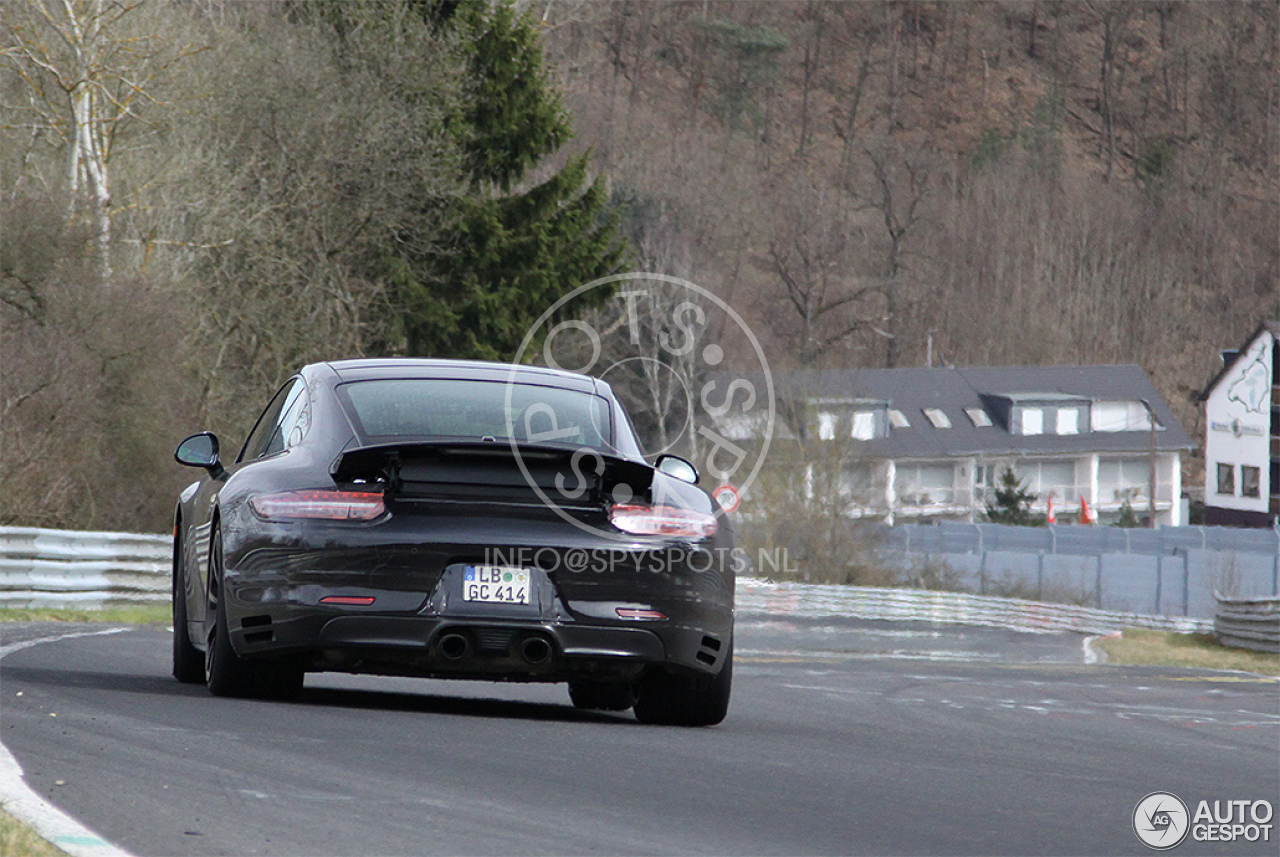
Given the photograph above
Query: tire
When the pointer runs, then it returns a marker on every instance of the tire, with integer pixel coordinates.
(602, 695)
(225, 673)
(279, 680)
(676, 699)
(188, 661)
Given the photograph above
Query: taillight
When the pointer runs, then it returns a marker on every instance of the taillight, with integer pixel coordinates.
(322, 505)
(662, 521)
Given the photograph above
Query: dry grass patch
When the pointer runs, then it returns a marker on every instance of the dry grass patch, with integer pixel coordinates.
(134, 614)
(19, 840)
(1142, 647)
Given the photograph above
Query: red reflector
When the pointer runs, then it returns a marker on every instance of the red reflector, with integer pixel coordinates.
(326, 505)
(348, 600)
(634, 613)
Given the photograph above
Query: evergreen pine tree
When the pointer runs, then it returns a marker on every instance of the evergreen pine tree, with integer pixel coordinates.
(1012, 503)
(510, 254)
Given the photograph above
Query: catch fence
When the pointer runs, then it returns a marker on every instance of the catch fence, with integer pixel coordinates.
(1170, 571)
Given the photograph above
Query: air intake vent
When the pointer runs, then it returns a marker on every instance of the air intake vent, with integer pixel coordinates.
(263, 634)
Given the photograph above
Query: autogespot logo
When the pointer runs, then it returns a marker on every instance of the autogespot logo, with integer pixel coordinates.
(1160, 820)
(658, 338)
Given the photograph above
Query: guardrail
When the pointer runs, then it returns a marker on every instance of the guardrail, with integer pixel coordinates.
(813, 601)
(1170, 571)
(69, 568)
(1248, 623)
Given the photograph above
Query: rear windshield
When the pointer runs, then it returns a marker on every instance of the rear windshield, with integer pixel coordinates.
(442, 409)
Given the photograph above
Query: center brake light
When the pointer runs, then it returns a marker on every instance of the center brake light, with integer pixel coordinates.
(662, 521)
(320, 505)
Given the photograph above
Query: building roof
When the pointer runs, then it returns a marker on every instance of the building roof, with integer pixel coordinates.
(954, 390)
(1272, 327)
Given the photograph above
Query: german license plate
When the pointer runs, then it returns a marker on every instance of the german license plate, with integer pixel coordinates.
(495, 584)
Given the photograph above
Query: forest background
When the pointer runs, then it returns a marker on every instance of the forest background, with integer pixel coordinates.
(196, 198)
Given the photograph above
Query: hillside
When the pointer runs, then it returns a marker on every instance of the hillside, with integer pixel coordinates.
(999, 183)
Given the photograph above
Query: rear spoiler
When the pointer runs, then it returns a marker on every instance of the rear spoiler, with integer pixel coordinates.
(364, 462)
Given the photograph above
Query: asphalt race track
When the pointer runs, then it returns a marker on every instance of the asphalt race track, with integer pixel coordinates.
(843, 737)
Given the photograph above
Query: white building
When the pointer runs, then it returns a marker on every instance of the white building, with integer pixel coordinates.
(931, 444)
(1242, 435)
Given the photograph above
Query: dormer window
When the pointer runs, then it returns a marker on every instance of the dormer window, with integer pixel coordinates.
(1119, 416)
(979, 417)
(826, 426)
(1032, 421)
(937, 417)
(864, 425)
(1068, 421)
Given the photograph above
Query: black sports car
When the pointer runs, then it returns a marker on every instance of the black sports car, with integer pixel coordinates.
(453, 519)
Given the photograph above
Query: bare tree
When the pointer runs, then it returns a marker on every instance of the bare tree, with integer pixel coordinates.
(815, 252)
(89, 74)
(898, 188)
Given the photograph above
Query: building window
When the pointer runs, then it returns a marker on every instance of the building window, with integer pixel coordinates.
(1250, 481)
(979, 417)
(1057, 478)
(864, 425)
(898, 419)
(1226, 479)
(826, 426)
(925, 484)
(1032, 421)
(855, 485)
(984, 475)
(1068, 421)
(937, 417)
(1119, 416)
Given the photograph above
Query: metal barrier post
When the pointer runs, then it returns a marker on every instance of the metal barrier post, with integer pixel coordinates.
(1275, 561)
(1159, 581)
(1099, 583)
(1186, 582)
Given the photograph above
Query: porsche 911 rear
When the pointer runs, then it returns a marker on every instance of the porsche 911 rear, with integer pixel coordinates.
(491, 557)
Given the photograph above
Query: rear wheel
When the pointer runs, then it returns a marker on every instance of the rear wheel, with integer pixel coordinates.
(225, 673)
(188, 661)
(602, 695)
(677, 699)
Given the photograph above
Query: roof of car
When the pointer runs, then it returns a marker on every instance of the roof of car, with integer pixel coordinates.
(367, 369)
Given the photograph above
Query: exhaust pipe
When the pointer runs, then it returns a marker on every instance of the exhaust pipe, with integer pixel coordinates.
(454, 646)
(535, 650)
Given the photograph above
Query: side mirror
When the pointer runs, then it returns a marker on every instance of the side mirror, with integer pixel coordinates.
(674, 465)
(200, 450)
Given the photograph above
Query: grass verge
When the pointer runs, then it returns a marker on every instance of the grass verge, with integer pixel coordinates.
(1143, 647)
(133, 614)
(19, 840)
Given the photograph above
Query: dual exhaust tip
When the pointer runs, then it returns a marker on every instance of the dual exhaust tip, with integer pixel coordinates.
(533, 650)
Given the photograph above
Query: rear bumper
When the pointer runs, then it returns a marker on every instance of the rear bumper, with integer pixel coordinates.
(480, 648)
(596, 610)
